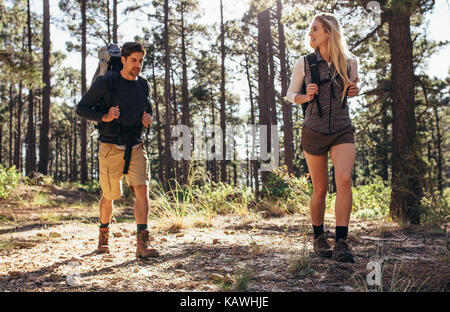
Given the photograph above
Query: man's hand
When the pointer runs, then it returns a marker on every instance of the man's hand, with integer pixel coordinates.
(353, 88)
(113, 113)
(146, 119)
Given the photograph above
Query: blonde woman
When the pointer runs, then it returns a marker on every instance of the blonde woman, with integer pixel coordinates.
(328, 75)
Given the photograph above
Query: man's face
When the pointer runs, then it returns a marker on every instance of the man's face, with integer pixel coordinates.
(133, 63)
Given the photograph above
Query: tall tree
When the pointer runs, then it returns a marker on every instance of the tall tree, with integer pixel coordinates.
(185, 117)
(167, 137)
(264, 103)
(406, 176)
(223, 166)
(83, 135)
(45, 126)
(30, 163)
(286, 106)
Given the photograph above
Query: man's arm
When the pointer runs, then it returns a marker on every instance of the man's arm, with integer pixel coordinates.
(91, 98)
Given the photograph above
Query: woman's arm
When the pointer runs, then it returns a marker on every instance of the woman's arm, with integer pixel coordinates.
(295, 86)
(354, 78)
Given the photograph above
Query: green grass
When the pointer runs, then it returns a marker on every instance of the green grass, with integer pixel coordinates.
(6, 244)
(243, 277)
(300, 265)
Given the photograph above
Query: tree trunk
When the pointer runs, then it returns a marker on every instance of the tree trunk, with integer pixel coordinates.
(386, 139)
(264, 82)
(83, 133)
(223, 166)
(286, 106)
(18, 139)
(158, 123)
(175, 122)
(213, 162)
(108, 20)
(115, 40)
(167, 138)
(44, 149)
(253, 123)
(439, 148)
(406, 173)
(30, 162)
(11, 127)
(185, 118)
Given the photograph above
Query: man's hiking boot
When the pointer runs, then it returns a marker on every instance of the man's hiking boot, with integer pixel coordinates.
(321, 246)
(142, 247)
(342, 252)
(103, 240)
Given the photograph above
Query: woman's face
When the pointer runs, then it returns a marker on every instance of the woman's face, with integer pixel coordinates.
(317, 34)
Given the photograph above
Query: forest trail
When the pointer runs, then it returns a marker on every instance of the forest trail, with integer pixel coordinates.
(249, 252)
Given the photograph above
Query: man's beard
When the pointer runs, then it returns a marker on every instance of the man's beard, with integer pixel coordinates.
(134, 72)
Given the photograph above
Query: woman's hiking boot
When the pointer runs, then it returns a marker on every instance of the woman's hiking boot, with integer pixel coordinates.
(342, 252)
(321, 246)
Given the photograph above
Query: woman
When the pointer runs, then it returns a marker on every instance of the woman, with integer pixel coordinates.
(327, 127)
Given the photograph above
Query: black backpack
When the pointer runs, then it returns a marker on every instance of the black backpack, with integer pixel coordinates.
(315, 78)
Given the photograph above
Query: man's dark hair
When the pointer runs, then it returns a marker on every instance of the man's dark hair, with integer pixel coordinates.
(130, 47)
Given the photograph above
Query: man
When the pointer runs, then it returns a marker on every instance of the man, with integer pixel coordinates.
(121, 105)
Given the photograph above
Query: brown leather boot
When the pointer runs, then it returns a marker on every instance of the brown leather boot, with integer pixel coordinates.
(103, 240)
(321, 246)
(142, 249)
(342, 251)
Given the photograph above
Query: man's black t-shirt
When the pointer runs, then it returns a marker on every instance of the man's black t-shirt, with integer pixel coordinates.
(130, 96)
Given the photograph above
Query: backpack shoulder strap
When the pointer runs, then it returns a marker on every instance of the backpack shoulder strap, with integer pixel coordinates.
(113, 86)
(314, 69)
(303, 91)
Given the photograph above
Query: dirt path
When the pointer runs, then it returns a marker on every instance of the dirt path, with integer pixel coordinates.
(251, 252)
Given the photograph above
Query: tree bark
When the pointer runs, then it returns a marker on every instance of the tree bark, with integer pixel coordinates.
(11, 127)
(167, 138)
(18, 139)
(223, 165)
(253, 122)
(406, 173)
(30, 162)
(44, 149)
(264, 82)
(108, 20)
(115, 40)
(175, 122)
(286, 106)
(158, 123)
(185, 118)
(83, 133)
(439, 148)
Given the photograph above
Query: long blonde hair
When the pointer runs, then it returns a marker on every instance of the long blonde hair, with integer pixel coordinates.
(337, 47)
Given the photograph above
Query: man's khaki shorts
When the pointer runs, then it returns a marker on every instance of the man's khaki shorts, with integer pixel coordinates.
(316, 143)
(111, 165)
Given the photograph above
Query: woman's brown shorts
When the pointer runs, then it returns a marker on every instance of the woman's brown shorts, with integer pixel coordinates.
(317, 143)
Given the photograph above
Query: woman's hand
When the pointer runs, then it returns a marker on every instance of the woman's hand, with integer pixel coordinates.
(353, 88)
(311, 90)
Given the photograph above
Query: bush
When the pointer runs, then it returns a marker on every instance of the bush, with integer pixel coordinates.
(8, 180)
(295, 191)
(370, 201)
(92, 187)
(436, 208)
